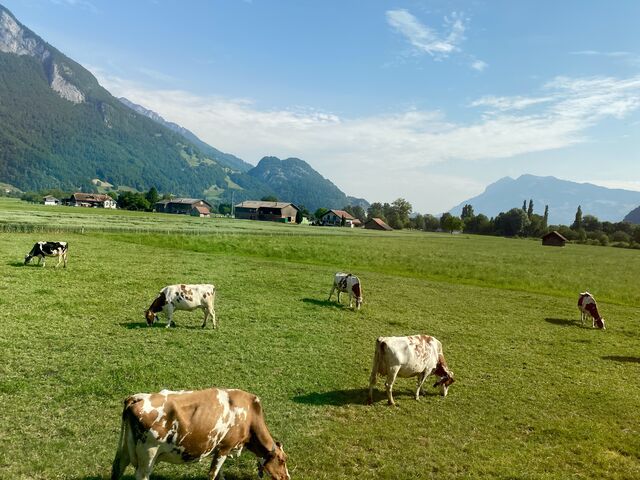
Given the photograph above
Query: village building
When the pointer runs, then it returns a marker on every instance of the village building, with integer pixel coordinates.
(376, 224)
(553, 239)
(51, 200)
(200, 211)
(333, 218)
(267, 211)
(183, 206)
(97, 200)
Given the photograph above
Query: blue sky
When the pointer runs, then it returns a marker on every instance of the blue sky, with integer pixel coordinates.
(428, 100)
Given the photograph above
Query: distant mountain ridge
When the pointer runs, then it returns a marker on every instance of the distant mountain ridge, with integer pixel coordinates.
(225, 159)
(562, 196)
(633, 216)
(293, 178)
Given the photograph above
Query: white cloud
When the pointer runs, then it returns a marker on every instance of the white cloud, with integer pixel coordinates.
(479, 65)
(425, 39)
(381, 157)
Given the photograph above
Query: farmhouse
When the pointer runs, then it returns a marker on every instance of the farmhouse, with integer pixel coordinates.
(553, 239)
(184, 206)
(334, 218)
(91, 200)
(268, 211)
(51, 200)
(376, 224)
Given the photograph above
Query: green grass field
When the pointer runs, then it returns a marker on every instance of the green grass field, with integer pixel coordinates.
(537, 395)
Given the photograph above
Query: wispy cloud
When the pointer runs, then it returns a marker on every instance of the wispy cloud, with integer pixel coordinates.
(423, 38)
(630, 58)
(380, 156)
(77, 3)
(479, 65)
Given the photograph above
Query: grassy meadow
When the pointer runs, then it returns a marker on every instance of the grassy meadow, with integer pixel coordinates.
(537, 395)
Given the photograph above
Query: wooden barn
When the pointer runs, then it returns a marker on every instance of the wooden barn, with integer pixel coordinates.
(377, 224)
(553, 239)
(267, 211)
(182, 205)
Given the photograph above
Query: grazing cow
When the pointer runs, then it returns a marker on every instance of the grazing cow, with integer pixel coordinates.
(181, 427)
(587, 306)
(416, 355)
(48, 249)
(183, 297)
(347, 282)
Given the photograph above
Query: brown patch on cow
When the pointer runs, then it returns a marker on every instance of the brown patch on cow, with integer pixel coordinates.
(356, 290)
(158, 303)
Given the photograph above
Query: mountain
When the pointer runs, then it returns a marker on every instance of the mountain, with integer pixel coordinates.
(295, 180)
(633, 216)
(225, 159)
(60, 129)
(562, 196)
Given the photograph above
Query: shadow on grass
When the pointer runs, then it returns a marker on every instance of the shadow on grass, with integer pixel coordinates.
(621, 358)
(323, 303)
(357, 396)
(143, 324)
(19, 264)
(155, 476)
(564, 322)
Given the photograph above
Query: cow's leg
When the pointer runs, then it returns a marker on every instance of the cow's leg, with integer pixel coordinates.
(391, 378)
(146, 460)
(350, 299)
(331, 292)
(215, 472)
(168, 310)
(64, 256)
(421, 378)
(59, 261)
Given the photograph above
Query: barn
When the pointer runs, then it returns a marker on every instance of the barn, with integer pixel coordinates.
(267, 211)
(182, 205)
(376, 224)
(553, 239)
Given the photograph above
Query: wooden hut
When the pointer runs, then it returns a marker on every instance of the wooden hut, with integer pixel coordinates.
(553, 239)
(376, 224)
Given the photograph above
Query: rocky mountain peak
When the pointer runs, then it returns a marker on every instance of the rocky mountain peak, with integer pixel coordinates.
(18, 40)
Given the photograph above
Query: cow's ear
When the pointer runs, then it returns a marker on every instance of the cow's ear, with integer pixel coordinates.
(279, 445)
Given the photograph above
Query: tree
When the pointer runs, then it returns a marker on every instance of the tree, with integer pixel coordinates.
(417, 222)
(152, 196)
(545, 221)
(224, 209)
(356, 211)
(514, 222)
(452, 223)
(467, 212)
(479, 224)
(376, 210)
(524, 205)
(343, 221)
(319, 213)
(431, 223)
(299, 216)
(443, 219)
(269, 198)
(530, 209)
(577, 223)
(133, 201)
(591, 223)
(403, 209)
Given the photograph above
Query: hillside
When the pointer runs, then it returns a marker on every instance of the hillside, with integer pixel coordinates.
(295, 180)
(224, 159)
(562, 196)
(633, 216)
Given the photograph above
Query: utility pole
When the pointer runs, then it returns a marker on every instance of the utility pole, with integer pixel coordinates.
(233, 205)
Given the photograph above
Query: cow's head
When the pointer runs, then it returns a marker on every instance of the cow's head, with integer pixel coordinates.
(274, 464)
(444, 382)
(599, 322)
(150, 316)
(27, 258)
(357, 291)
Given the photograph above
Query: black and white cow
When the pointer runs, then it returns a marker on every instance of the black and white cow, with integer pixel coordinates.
(183, 297)
(48, 249)
(348, 283)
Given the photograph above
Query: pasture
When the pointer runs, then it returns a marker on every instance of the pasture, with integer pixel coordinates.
(536, 394)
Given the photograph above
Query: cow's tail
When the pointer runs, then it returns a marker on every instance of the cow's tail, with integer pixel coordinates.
(377, 367)
(123, 458)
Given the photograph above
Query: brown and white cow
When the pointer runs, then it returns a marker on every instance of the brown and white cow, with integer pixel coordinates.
(416, 355)
(588, 307)
(183, 297)
(48, 249)
(349, 283)
(187, 426)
